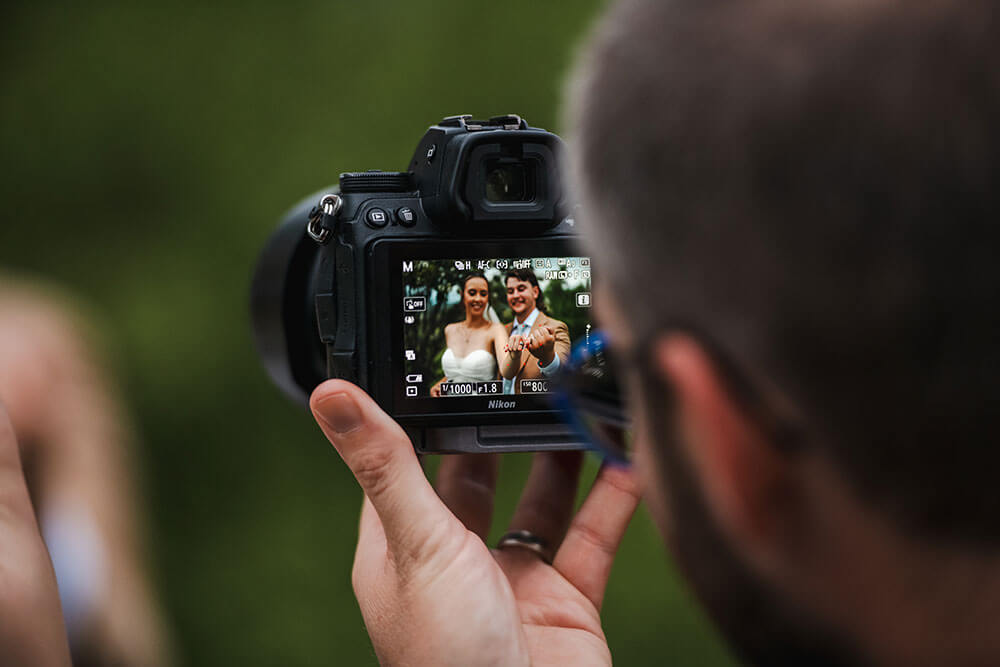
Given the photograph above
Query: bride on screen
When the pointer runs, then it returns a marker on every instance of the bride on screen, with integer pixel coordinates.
(476, 346)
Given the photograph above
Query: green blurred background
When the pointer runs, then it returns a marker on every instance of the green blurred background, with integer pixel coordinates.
(147, 151)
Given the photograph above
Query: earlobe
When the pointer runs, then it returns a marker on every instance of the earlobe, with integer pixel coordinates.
(745, 479)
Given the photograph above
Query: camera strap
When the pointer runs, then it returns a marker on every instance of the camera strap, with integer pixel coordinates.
(323, 218)
(335, 308)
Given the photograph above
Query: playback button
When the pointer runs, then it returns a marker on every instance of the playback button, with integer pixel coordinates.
(376, 217)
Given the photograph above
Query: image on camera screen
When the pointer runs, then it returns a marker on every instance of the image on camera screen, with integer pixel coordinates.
(489, 327)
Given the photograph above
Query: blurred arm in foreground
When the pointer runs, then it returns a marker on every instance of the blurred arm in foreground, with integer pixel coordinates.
(74, 443)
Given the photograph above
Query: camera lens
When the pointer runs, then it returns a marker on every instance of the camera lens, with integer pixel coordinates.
(507, 183)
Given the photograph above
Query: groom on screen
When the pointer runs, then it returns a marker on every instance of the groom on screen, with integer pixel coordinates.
(545, 339)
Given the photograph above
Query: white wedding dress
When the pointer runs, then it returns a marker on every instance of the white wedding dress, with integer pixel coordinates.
(477, 366)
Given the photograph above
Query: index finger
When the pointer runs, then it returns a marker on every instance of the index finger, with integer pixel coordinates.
(382, 459)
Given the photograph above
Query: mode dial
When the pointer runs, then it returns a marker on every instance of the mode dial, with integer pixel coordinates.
(377, 181)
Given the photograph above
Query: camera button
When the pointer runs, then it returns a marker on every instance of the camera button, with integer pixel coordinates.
(376, 217)
(406, 216)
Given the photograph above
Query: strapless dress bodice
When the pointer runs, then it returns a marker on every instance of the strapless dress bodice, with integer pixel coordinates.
(477, 366)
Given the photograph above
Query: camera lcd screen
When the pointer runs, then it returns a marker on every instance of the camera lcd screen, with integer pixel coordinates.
(494, 330)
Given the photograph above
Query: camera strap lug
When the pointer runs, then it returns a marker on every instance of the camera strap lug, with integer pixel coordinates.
(323, 218)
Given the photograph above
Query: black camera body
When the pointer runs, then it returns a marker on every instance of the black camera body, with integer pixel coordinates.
(353, 277)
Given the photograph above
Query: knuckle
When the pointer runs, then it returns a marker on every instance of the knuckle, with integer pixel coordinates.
(372, 467)
(425, 552)
(361, 580)
(592, 536)
(623, 481)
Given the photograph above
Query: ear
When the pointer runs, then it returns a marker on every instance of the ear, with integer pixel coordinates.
(747, 482)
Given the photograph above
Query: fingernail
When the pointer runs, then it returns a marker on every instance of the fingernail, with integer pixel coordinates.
(615, 462)
(340, 413)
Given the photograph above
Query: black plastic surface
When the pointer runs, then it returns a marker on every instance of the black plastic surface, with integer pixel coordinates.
(376, 181)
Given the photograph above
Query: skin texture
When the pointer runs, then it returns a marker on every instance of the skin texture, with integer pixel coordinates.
(420, 547)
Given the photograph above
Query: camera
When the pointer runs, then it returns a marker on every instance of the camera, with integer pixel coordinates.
(450, 291)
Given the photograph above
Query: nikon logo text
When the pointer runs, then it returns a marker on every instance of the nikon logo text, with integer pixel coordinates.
(501, 405)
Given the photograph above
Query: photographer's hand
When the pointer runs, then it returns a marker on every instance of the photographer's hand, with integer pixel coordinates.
(430, 591)
(32, 631)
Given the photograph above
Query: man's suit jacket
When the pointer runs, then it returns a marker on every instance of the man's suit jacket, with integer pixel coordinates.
(562, 347)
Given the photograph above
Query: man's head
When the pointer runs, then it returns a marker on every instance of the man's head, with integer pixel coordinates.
(811, 187)
(523, 293)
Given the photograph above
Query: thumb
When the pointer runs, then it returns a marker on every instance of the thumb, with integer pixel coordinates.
(382, 459)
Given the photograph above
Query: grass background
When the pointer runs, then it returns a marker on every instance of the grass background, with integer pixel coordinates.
(147, 150)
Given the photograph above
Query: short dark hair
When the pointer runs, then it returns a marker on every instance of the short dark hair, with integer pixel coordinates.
(529, 276)
(815, 185)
